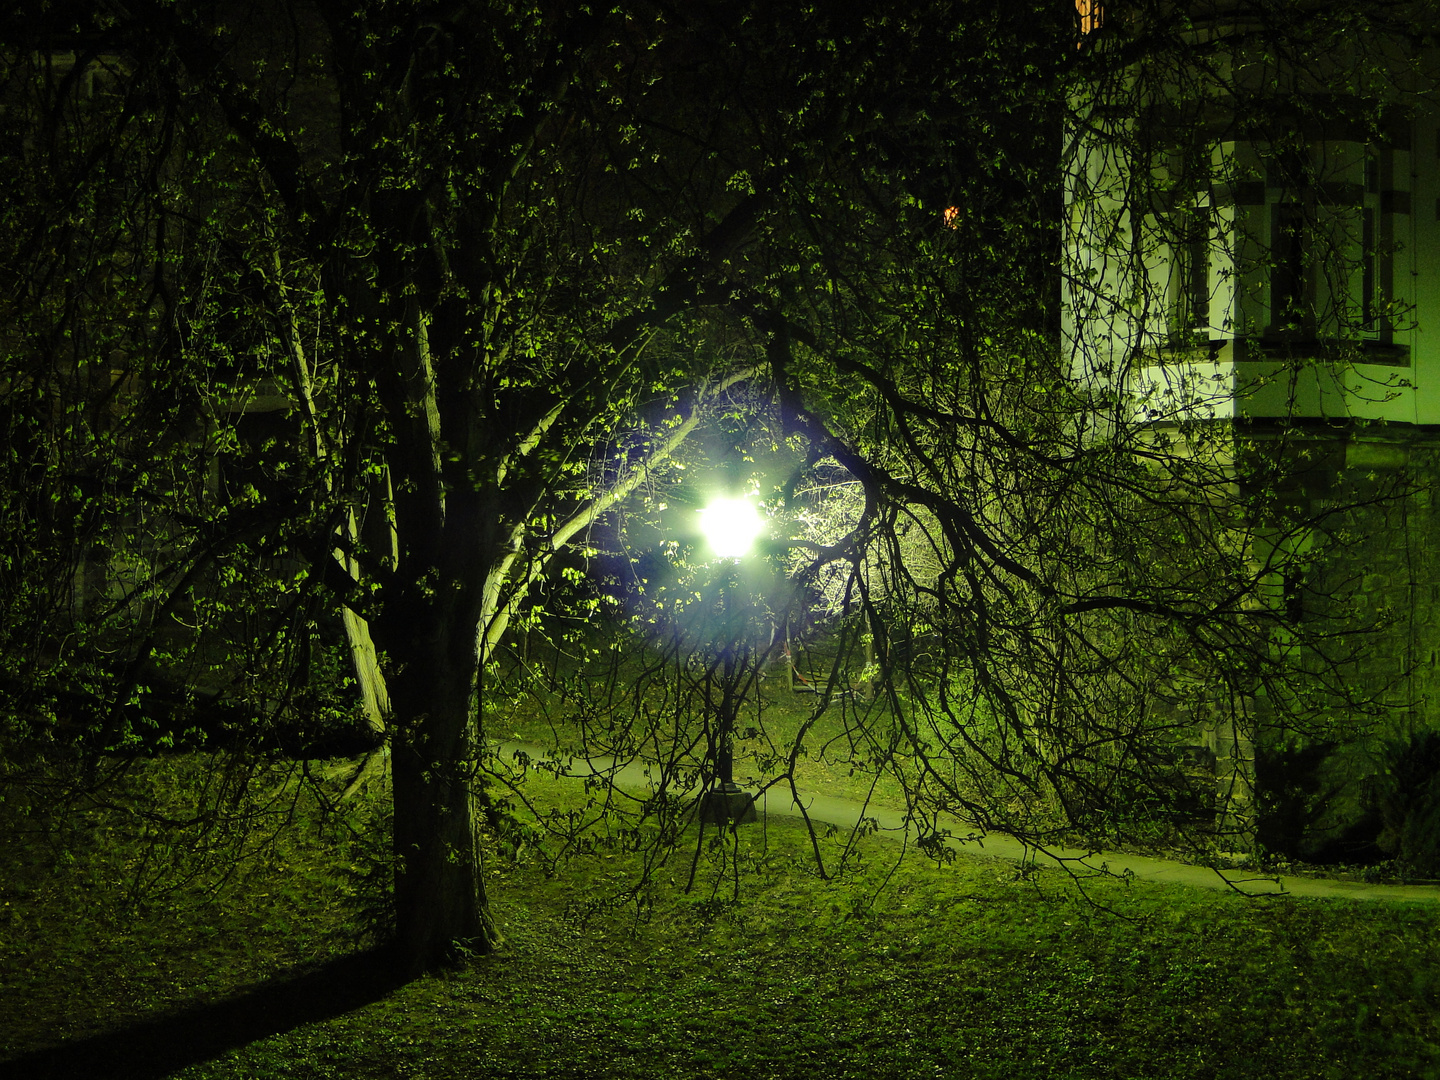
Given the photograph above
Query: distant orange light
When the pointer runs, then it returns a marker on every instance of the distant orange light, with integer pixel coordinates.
(1092, 15)
(952, 217)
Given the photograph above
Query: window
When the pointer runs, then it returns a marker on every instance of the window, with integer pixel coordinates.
(1330, 242)
(1195, 262)
(1369, 314)
(1288, 307)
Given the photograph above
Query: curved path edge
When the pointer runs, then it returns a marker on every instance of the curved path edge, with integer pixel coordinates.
(847, 813)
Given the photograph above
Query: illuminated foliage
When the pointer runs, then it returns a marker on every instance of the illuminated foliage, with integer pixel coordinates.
(333, 331)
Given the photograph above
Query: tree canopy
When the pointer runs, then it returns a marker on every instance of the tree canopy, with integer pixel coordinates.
(367, 313)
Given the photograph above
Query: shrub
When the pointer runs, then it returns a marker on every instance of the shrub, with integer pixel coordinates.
(1408, 799)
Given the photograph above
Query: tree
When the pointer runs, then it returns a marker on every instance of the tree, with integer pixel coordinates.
(463, 242)
(1071, 564)
(502, 263)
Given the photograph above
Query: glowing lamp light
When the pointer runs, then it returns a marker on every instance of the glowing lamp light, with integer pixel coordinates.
(731, 527)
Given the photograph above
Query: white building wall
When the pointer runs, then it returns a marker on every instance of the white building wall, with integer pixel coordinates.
(1125, 281)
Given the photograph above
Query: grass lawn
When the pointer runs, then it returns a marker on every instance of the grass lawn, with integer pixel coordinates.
(837, 752)
(966, 970)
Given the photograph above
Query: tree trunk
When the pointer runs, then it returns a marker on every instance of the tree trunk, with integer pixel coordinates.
(441, 910)
(374, 695)
(377, 531)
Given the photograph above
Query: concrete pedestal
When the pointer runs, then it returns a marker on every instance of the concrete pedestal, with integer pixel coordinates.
(730, 803)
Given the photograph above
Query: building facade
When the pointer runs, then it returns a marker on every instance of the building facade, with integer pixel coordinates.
(1251, 264)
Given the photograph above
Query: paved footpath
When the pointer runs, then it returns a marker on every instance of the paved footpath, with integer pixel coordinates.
(845, 813)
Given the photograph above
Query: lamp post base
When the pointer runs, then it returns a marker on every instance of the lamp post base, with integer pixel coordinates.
(731, 803)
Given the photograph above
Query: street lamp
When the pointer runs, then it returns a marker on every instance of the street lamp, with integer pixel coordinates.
(730, 526)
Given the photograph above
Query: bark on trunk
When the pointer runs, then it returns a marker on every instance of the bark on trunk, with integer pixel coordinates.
(376, 529)
(374, 695)
(441, 910)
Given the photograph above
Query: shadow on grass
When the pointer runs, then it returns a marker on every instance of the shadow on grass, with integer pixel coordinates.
(156, 1048)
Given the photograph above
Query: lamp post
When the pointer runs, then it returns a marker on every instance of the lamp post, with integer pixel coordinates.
(730, 527)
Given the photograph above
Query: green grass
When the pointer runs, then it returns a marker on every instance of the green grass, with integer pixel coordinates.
(769, 723)
(967, 970)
